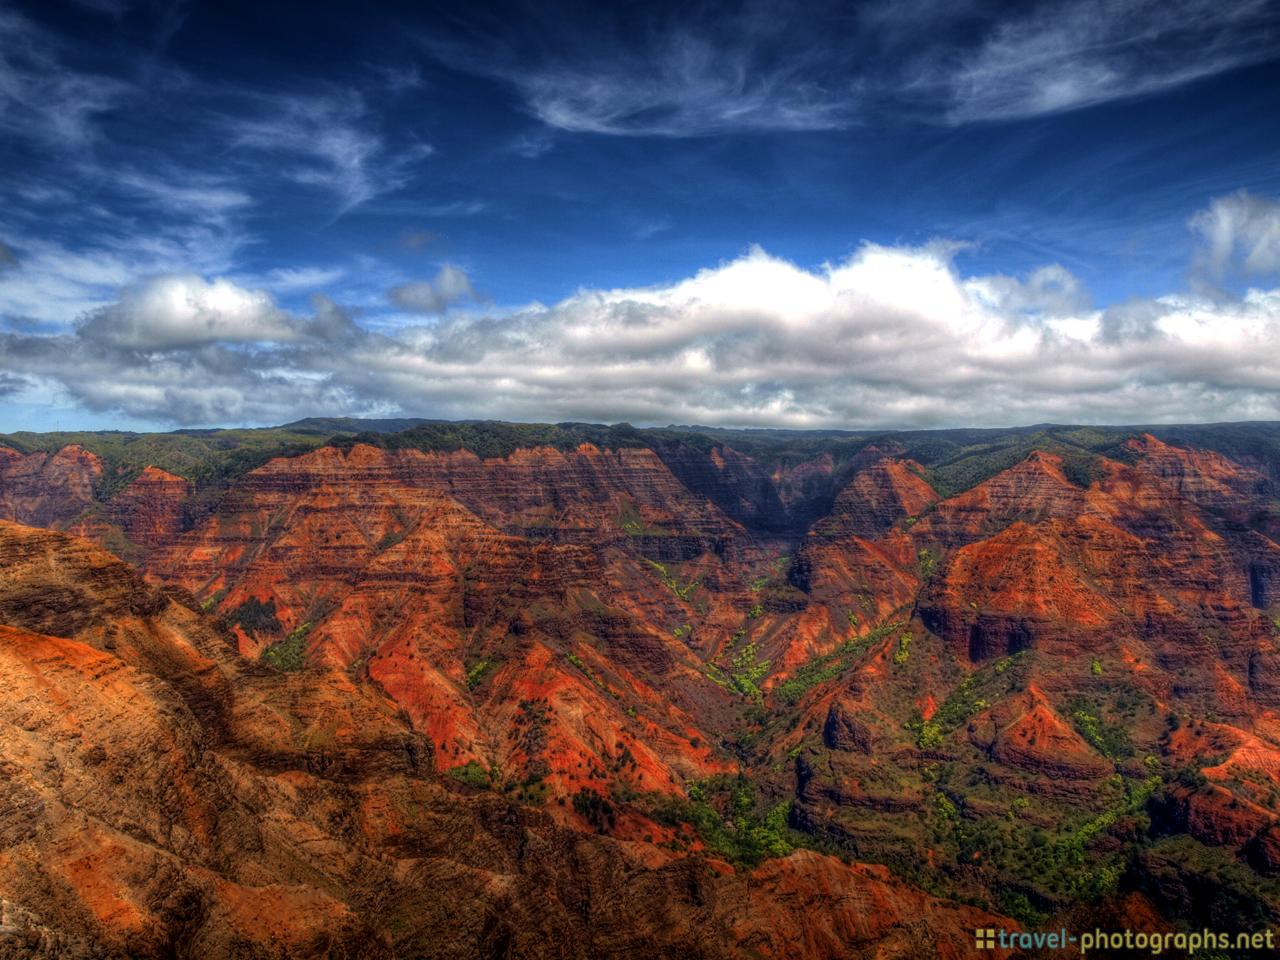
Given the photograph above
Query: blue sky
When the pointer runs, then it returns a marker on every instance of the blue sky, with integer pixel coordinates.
(228, 213)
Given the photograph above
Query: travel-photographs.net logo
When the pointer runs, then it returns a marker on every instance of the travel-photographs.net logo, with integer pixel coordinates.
(1149, 942)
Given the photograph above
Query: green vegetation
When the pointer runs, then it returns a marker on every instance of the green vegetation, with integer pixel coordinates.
(1095, 667)
(1226, 891)
(390, 539)
(634, 525)
(595, 809)
(926, 563)
(477, 673)
(210, 459)
(733, 820)
(473, 774)
(1082, 469)
(290, 653)
(591, 675)
(903, 653)
(745, 674)
(822, 669)
(954, 460)
(682, 592)
(1108, 738)
(971, 695)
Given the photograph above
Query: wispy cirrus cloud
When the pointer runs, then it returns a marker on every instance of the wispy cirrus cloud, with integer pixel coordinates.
(328, 141)
(1239, 233)
(762, 68)
(693, 76)
(41, 99)
(685, 84)
(148, 170)
(1053, 57)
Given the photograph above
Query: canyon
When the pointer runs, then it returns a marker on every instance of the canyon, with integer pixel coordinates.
(420, 689)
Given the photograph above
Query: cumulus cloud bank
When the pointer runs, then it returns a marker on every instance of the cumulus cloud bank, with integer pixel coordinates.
(184, 311)
(892, 336)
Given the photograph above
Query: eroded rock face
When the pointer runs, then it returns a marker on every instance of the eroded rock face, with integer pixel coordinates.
(588, 639)
(160, 795)
(843, 730)
(1025, 732)
(150, 509)
(47, 490)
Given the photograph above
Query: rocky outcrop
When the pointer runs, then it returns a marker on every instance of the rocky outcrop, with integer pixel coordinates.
(1025, 732)
(1033, 491)
(150, 509)
(877, 498)
(47, 490)
(843, 730)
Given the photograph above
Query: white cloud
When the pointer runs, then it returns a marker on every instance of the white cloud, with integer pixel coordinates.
(328, 141)
(180, 192)
(186, 311)
(1239, 232)
(685, 86)
(450, 286)
(1051, 292)
(944, 61)
(55, 283)
(890, 336)
(41, 97)
(1048, 58)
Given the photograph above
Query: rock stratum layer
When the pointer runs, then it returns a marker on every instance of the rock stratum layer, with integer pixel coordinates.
(674, 699)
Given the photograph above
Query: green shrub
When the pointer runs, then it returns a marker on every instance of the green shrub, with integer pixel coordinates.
(1109, 739)
(473, 774)
(477, 673)
(595, 809)
(926, 563)
(290, 654)
(746, 833)
(903, 653)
